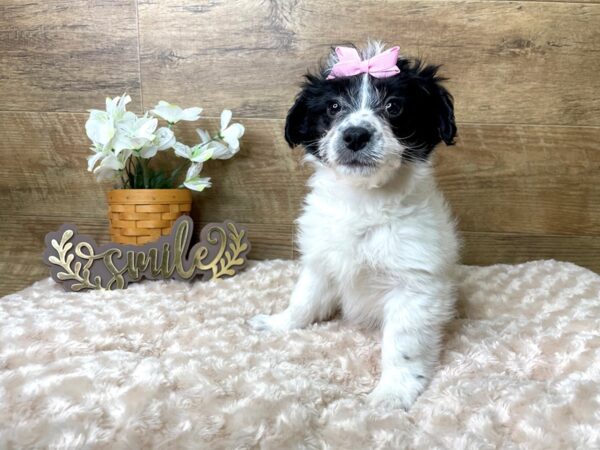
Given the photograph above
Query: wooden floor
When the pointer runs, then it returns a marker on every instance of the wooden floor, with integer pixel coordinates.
(523, 179)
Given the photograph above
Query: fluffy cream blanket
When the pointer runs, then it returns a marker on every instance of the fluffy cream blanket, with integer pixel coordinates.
(174, 365)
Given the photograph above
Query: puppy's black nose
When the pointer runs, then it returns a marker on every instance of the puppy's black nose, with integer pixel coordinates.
(356, 137)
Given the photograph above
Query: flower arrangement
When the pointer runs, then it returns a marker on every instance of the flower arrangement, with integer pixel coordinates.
(123, 144)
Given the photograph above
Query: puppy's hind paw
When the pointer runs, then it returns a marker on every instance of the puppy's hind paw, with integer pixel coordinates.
(260, 322)
(276, 322)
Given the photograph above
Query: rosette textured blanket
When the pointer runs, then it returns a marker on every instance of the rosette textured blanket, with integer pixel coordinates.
(169, 364)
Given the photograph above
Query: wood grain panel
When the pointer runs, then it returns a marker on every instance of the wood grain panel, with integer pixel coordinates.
(268, 240)
(44, 170)
(483, 249)
(520, 192)
(263, 182)
(544, 181)
(523, 179)
(67, 55)
(43, 166)
(534, 179)
(509, 62)
(22, 246)
(538, 197)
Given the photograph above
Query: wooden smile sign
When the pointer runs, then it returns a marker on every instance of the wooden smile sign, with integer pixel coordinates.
(79, 263)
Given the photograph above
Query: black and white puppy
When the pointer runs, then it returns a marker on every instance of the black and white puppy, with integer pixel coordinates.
(376, 237)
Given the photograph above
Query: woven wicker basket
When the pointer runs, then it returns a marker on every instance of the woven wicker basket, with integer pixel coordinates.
(139, 216)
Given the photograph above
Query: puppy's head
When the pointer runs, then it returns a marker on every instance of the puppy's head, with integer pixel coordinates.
(366, 126)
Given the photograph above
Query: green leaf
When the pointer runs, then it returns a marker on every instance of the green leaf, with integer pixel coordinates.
(174, 175)
(139, 175)
(159, 180)
(130, 174)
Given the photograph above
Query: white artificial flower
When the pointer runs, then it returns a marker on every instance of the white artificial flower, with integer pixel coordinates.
(221, 151)
(164, 139)
(134, 132)
(115, 107)
(231, 134)
(194, 170)
(117, 134)
(99, 153)
(197, 183)
(173, 113)
(102, 126)
(204, 136)
(193, 181)
(198, 153)
(110, 164)
(182, 150)
(109, 167)
(93, 159)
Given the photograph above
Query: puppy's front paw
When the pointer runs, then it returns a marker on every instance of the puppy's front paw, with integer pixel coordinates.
(276, 322)
(400, 391)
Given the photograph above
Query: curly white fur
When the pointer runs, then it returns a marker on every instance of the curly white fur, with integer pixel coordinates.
(385, 255)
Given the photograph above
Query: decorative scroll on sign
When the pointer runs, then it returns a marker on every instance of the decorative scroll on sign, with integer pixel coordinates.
(79, 263)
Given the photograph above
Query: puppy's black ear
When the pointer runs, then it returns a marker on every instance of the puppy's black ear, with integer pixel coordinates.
(296, 122)
(447, 124)
(440, 103)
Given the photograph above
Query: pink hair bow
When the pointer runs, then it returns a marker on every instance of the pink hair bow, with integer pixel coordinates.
(349, 63)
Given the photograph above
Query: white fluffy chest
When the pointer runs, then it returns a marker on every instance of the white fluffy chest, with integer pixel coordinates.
(347, 238)
(367, 243)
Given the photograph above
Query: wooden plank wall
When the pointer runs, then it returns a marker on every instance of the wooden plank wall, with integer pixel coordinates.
(523, 179)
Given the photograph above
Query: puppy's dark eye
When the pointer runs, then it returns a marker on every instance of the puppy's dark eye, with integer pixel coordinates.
(393, 108)
(333, 108)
